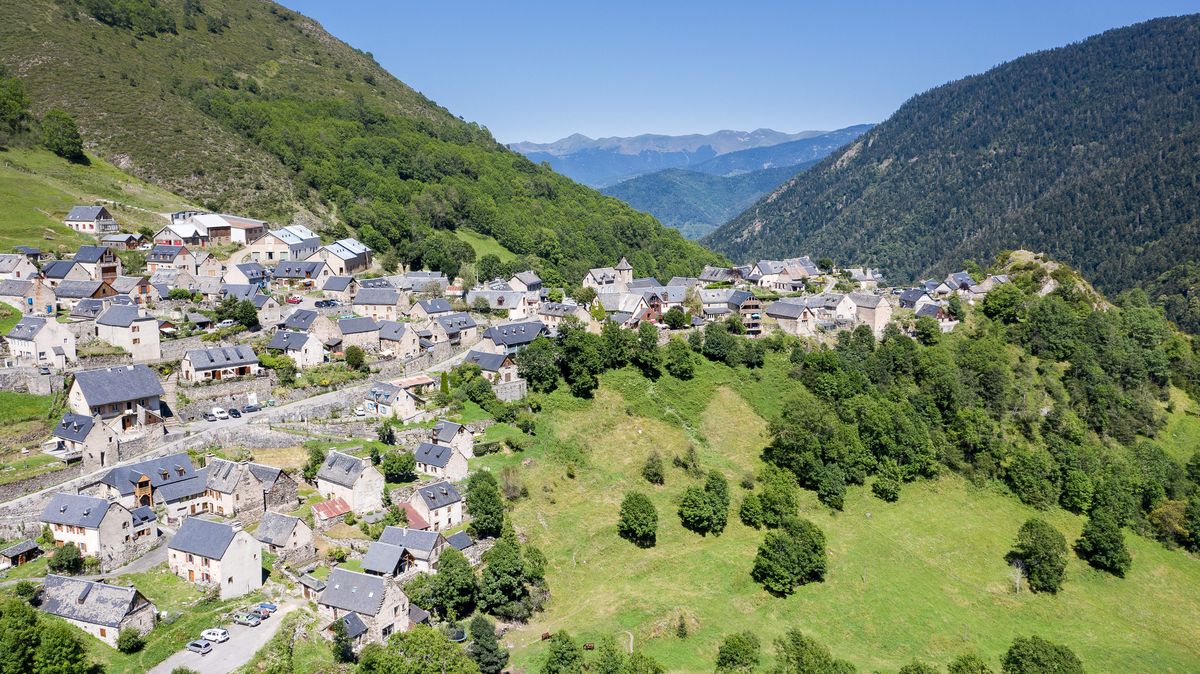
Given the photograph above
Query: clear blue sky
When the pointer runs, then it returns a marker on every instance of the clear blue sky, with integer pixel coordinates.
(543, 70)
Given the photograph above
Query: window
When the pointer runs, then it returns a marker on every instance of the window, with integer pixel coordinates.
(230, 581)
(190, 559)
(103, 632)
(137, 340)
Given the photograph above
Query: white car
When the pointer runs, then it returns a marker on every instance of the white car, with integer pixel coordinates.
(359, 411)
(220, 413)
(227, 323)
(215, 635)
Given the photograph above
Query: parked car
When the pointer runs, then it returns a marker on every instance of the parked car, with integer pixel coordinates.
(208, 416)
(321, 304)
(247, 619)
(359, 411)
(293, 299)
(233, 412)
(227, 323)
(262, 613)
(215, 635)
(220, 413)
(43, 370)
(268, 606)
(200, 646)
(251, 408)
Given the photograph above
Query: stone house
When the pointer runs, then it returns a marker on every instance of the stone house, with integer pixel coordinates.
(126, 397)
(423, 309)
(307, 320)
(16, 267)
(914, 298)
(170, 482)
(388, 400)
(246, 490)
(793, 318)
(551, 314)
(381, 304)
(102, 610)
(345, 257)
(874, 311)
(207, 265)
(95, 220)
(212, 553)
(31, 297)
(286, 536)
(121, 241)
(446, 463)
(304, 348)
(110, 532)
(340, 288)
(610, 279)
(454, 329)
(57, 271)
(401, 549)
(300, 274)
(510, 338)
(525, 281)
(946, 322)
(69, 293)
(450, 434)
(293, 242)
(500, 370)
(100, 263)
(372, 607)
(353, 479)
(170, 257)
(439, 504)
(248, 273)
(128, 327)
(360, 332)
(77, 436)
(399, 340)
(40, 341)
(218, 363)
(136, 288)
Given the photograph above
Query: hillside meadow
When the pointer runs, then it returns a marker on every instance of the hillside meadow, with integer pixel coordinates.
(922, 578)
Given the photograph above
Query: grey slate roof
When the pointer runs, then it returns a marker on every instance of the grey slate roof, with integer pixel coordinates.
(515, 334)
(177, 468)
(78, 289)
(76, 510)
(529, 278)
(910, 296)
(460, 541)
(202, 537)
(439, 495)
(419, 543)
(288, 341)
(384, 393)
(377, 296)
(222, 356)
(300, 320)
(866, 300)
(275, 528)
(74, 427)
(222, 475)
(312, 583)
(455, 323)
(89, 601)
(392, 331)
(265, 474)
(15, 287)
(352, 591)
(294, 269)
(382, 558)
(437, 305)
(416, 614)
(786, 310)
(338, 283)
(353, 326)
(253, 271)
(488, 362)
(121, 316)
(341, 469)
(142, 515)
(375, 283)
(355, 627)
(57, 268)
(85, 213)
(557, 309)
(90, 254)
(930, 310)
(19, 549)
(162, 253)
(27, 328)
(444, 431)
(118, 384)
(433, 455)
(174, 491)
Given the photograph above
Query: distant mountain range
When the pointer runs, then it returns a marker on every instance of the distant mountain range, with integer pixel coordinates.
(1089, 152)
(699, 199)
(605, 161)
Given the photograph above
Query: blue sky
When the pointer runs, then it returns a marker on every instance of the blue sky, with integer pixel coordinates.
(543, 70)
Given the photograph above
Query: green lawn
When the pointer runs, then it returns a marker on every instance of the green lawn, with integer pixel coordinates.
(24, 423)
(484, 245)
(36, 569)
(9, 317)
(1181, 436)
(922, 578)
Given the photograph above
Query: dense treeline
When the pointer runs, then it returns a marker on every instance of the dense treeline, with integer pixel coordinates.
(1087, 152)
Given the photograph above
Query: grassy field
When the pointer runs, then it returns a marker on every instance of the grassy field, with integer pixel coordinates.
(37, 189)
(1181, 436)
(23, 423)
(9, 317)
(922, 578)
(484, 244)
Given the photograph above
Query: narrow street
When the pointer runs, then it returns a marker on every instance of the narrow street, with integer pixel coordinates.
(243, 643)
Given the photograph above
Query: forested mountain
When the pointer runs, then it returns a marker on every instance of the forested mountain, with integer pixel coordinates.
(1089, 152)
(784, 154)
(246, 106)
(696, 203)
(604, 161)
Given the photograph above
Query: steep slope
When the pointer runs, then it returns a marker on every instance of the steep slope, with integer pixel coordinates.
(605, 161)
(696, 203)
(1088, 152)
(247, 106)
(784, 154)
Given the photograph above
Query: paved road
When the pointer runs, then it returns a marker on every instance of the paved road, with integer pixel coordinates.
(243, 643)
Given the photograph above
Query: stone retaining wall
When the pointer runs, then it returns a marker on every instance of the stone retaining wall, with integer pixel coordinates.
(232, 393)
(173, 349)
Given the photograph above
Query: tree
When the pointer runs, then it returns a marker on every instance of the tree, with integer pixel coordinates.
(504, 592)
(485, 505)
(130, 641)
(887, 481)
(580, 357)
(355, 357)
(968, 664)
(454, 586)
(66, 559)
(645, 351)
(716, 489)
(60, 135)
(927, 331)
(753, 354)
(1035, 655)
(639, 520)
(1191, 516)
(387, 435)
(610, 659)
(421, 650)
(563, 655)
(25, 590)
(59, 651)
(652, 470)
(398, 467)
(585, 296)
(675, 318)
(719, 345)
(490, 267)
(19, 634)
(616, 345)
(679, 359)
(751, 511)
(14, 105)
(537, 364)
(485, 648)
(1103, 545)
(695, 510)
(316, 458)
(640, 663)
(790, 557)
(247, 314)
(342, 644)
(1042, 550)
(796, 653)
(1003, 303)
(739, 652)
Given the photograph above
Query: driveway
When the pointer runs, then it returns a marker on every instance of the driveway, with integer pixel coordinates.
(243, 643)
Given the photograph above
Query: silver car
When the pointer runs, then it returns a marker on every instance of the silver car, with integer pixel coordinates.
(200, 646)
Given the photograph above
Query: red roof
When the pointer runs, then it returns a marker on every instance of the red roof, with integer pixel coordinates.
(415, 521)
(330, 509)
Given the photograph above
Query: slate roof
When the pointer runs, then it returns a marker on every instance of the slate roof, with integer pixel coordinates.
(416, 614)
(297, 269)
(27, 328)
(87, 309)
(353, 326)
(455, 323)
(444, 431)
(126, 284)
(267, 475)
(73, 427)
(297, 235)
(15, 287)
(488, 362)
(560, 309)
(910, 296)
(460, 541)
(182, 489)
(85, 213)
(178, 468)
(384, 393)
(866, 300)
(392, 331)
(341, 469)
(312, 583)
(288, 341)
(419, 543)
(253, 271)
(786, 310)
(353, 591)
(355, 627)
(163, 253)
(515, 334)
(76, 510)
(78, 289)
(439, 495)
(142, 515)
(433, 455)
(19, 549)
(57, 269)
(90, 254)
(436, 306)
(529, 278)
(202, 537)
(300, 320)
(222, 475)
(121, 316)
(275, 528)
(221, 356)
(375, 283)
(377, 296)
(930, 310)
(338, 283)
(89, 601)
(382, 558)
(118, 384)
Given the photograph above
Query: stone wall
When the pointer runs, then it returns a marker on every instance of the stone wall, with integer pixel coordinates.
(94, 362)
(230, 393)
(173, 349)
(512, 390)
(29, 380)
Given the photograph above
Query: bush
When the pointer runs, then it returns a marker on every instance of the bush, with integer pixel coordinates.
(790, 557)
(751, 512)
(66, 559)
(1035, 655)
(130, 641)
(1043, 552)
(653, 469)
(1103, 545)
(887, 481)
(638, 522)
(25, 590)
(738, 653)
(60, 135)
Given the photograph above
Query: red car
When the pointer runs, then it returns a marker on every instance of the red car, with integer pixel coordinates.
(293, 299)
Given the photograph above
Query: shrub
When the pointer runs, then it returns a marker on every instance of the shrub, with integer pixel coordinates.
(653, 469)
(130, 641)
(739, 652)
(638, 522)
(66, 559)
(1035, 655)
(790, 557)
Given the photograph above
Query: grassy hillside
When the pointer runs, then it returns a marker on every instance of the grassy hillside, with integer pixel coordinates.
(37, 189)
(921, 578)
(1087, 152)
(248, 106)
(697, 203)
